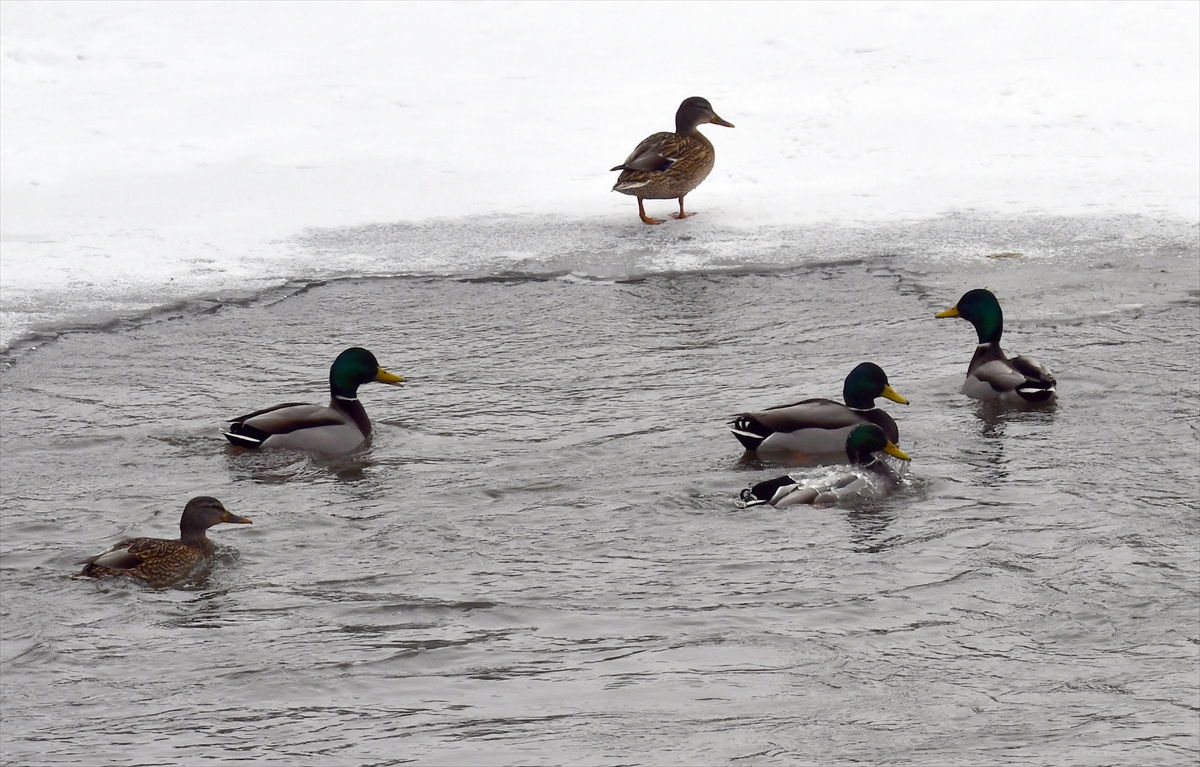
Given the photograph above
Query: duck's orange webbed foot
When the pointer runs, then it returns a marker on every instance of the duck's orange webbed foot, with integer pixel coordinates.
(795, 458)
(681, 214)
(642, 213)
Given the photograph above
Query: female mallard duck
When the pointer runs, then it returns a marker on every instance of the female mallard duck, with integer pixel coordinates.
(992, 376)
(872, 477)
(159, 562)
(666, 166)
(336, 429)
(817, 427)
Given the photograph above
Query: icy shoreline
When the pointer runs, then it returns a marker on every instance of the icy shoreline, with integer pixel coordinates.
(155, 152)
(526, 247)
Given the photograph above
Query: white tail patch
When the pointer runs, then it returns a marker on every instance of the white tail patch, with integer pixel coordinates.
(242, 438)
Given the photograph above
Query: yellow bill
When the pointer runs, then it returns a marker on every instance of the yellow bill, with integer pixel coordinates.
(388, 378)
(893, 395)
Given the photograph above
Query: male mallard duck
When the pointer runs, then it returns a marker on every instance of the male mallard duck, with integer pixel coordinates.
(992, 376)
(159, 562)
(873, 477)
(669, 165)
(815, 427)
(338, 428)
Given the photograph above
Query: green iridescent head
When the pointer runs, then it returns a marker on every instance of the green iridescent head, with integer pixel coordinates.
(980, 308)
(865, 440)
(866, 382)
(355, 367)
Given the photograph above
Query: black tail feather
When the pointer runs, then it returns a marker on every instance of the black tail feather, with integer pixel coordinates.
(748, 431)
(245, 436)
(765, 492)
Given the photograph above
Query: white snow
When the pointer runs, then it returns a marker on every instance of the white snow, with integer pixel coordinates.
(152, 151)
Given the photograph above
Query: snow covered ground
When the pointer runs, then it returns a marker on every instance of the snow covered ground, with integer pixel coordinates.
(154, 151)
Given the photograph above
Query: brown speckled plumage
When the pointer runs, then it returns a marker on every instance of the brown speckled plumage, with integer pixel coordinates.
(159, 562)
(667, 166)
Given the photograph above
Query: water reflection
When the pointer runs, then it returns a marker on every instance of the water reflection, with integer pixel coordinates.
(868, 528)
(278, 467)
(992, 416)
(994, 422)
(209, 608)
(345, 468)
(989, 455)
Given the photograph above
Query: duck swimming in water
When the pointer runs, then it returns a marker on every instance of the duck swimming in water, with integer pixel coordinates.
(667, 166)
(819, 427)
(992, 376)
(159, 562)
(872, 477)
(334, 429)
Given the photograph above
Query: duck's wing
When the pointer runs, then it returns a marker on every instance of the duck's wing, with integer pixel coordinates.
(1018, 378)
(117, 557)
(1037, 377)
(871, 482)
(1039, 384)
(821, 414)
(998, 375)
(656, 154)
(130, 554)
(799, 495)
(253, 429)
(272, 409)
(810, 414)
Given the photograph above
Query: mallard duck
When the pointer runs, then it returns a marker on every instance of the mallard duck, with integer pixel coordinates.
(872, 477)
(992, 376)
(667, 166)
(159, 562)
(336, 429)
(819, 427)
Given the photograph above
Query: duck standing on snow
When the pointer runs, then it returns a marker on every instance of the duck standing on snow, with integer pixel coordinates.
(819, 427)
(159, 562)
(336, 429)
(667, 166)
(992, 376)
(872, 477)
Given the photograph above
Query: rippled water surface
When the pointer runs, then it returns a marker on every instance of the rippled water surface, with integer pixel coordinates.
(538, 558)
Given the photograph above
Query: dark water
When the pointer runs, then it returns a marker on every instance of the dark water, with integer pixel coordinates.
(538, 559)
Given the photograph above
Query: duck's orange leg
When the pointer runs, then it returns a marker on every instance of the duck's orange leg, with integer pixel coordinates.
(642, 213)
(681, 214)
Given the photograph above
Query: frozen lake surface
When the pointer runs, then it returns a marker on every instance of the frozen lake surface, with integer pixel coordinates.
(160, 152)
